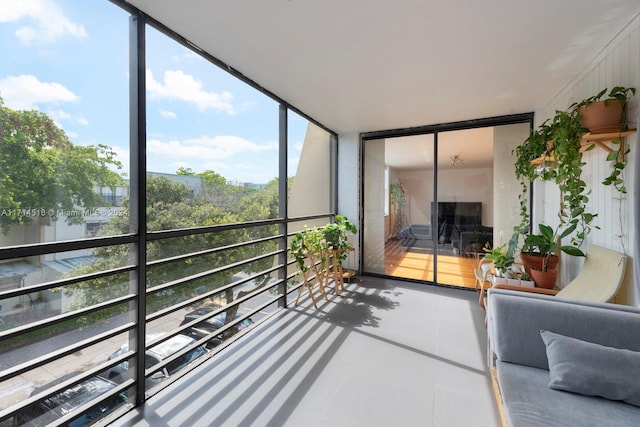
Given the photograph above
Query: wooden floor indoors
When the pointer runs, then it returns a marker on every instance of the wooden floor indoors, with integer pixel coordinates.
(417, 263)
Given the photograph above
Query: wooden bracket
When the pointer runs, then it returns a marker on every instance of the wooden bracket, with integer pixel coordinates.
(590, 139)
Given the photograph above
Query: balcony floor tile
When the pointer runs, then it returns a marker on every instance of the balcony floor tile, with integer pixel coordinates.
(383, 353)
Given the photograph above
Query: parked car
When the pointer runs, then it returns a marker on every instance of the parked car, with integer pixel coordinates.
(65, 402)
(200, 330)
(155, 355)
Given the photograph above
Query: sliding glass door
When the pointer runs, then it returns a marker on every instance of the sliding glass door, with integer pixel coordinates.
(432, 201)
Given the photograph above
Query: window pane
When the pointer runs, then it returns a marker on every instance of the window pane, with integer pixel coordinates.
(65, 123)
(64, 162)
(309, 164)
(212, 145)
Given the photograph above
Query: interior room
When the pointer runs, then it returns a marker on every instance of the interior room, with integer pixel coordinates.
(420, 234)
(286, 213)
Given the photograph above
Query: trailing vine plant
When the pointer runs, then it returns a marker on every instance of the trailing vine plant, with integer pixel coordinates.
(558, 142)
(617, 157)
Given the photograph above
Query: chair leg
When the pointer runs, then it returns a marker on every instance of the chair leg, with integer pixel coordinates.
(481, 298)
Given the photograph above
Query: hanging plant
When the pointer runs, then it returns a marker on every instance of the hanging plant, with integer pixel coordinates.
(536, 146)
(557, 148)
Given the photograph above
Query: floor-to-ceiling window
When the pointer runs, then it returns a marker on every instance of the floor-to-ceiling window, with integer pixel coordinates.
(144, 208)
(433, 198)
(311, 172)
(64, 167)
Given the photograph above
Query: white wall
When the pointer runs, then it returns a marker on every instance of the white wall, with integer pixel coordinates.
(374, 206)
(455, 185)
(617, 65)
(311, 192)
(349, 185)
(506, 188)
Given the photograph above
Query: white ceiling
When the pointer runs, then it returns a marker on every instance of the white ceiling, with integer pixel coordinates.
(367, 65)
(474, 147)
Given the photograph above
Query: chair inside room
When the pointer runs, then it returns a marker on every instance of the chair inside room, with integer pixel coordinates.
(598, 281)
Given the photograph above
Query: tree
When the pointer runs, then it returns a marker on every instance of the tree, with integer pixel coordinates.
(170, 205)
(43, 172)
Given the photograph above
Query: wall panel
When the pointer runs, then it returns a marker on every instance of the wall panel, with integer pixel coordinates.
(617, 65)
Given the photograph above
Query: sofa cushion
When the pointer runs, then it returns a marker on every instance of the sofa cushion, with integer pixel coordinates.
(516, 318)
(528, 401)
(592, 369)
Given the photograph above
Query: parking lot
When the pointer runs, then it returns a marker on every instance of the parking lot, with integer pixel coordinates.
(19, 388)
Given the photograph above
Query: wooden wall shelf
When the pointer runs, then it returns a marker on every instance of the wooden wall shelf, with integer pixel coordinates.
(589, 139)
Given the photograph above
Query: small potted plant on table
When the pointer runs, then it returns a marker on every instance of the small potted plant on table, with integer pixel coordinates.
(548, 243)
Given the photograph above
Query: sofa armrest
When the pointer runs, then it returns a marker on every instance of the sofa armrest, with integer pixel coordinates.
(515, 319)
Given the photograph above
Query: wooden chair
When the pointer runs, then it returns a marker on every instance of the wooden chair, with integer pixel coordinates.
(598, 281)
(483, 277)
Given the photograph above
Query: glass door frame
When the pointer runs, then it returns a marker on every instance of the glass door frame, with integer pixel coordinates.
(422, 130)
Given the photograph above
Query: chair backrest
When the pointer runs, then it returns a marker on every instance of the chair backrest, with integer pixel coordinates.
(600, 277)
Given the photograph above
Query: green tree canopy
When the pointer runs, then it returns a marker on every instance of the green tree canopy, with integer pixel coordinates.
(42, 171)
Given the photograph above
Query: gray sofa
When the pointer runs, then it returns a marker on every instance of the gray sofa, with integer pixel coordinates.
(585, 350)
(417, 235)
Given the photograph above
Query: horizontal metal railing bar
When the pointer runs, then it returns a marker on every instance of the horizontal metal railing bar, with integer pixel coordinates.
(208, 294)
(63, 282)
(58, 388)
(226, 307)
(43, 360)
(202, 341)
(49, 321)
(309, 217)
(229, 325)
(203, 274)
(81, 410)
(209, 251)
(182, 232)
(214, 313)
(33, 249)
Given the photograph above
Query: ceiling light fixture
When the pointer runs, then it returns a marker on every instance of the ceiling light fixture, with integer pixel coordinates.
(456, 160)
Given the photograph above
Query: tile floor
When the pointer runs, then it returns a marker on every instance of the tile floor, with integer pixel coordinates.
(383, 353)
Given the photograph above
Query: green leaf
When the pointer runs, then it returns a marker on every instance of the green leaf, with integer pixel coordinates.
(613, 155)
(568, 231)
(572, 250)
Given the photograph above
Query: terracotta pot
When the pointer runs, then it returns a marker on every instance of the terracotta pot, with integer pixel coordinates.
(535, 260)
(544, 279)
(599, 118)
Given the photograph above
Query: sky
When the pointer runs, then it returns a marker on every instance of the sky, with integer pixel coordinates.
(70, 60)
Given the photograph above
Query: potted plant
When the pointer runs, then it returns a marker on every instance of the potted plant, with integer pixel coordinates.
(304, 243)
(548, 242)
(553, 152)
(315, 241)
(600, 115)
(608, 115)
(500, 257)
(336, 235)
(512, 277)
(525, 280)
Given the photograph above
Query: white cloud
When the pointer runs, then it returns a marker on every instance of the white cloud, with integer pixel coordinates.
(58, 115)
(168, 114)
(47, 22)
(184, 87)
(207, 148)
(25, 92)
(83, 121)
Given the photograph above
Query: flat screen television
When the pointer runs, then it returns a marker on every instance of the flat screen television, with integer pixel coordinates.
(454, 217)
(461, 213)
